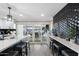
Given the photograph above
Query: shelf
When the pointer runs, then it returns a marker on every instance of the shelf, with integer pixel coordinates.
(7, 29)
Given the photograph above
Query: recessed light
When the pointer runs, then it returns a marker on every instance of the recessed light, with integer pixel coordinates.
(21, 15)
(42, 14)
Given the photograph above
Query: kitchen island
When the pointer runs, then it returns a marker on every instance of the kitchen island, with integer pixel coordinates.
(6, 43)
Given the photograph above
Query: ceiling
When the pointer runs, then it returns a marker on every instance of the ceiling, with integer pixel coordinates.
(31, 11)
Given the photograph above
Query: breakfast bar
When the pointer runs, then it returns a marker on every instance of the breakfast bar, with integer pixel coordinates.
(66, 43)
(7, 43)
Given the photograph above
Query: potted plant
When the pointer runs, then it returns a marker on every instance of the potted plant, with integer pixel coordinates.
(72, 33)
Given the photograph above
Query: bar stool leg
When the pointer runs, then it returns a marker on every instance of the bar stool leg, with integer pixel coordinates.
(53, 49)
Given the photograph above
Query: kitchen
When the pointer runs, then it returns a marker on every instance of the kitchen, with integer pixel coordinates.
(39, 29)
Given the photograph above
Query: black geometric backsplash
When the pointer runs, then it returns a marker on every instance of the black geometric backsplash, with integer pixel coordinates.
(66, 18)
(61, 27)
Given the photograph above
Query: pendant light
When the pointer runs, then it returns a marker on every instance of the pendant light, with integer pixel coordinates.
(9, 16)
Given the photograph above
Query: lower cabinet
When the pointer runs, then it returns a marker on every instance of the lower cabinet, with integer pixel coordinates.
(59, 49)
(10, 53)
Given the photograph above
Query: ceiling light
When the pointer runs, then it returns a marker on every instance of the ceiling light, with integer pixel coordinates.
(21, 15)
(42, 14)
(9, 17)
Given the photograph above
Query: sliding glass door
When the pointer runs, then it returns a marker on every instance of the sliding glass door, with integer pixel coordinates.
(37, 33)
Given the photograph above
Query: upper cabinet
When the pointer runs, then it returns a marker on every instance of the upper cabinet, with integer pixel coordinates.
(4, 24)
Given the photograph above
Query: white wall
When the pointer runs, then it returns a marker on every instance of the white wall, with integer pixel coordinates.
(19, 30)
(51, 25)
(33, 22)
(20, 26)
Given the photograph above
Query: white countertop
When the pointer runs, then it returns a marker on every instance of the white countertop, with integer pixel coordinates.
(4, 44)
(68, 44)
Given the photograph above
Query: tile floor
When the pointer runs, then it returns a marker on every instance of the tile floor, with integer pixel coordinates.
(39, 50)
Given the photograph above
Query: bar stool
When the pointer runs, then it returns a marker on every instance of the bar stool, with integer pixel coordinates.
(51, 41)
(57, 47)
(51, 46)
(21, 47)
(26, 47)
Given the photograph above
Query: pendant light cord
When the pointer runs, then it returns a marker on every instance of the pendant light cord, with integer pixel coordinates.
(9, 9)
